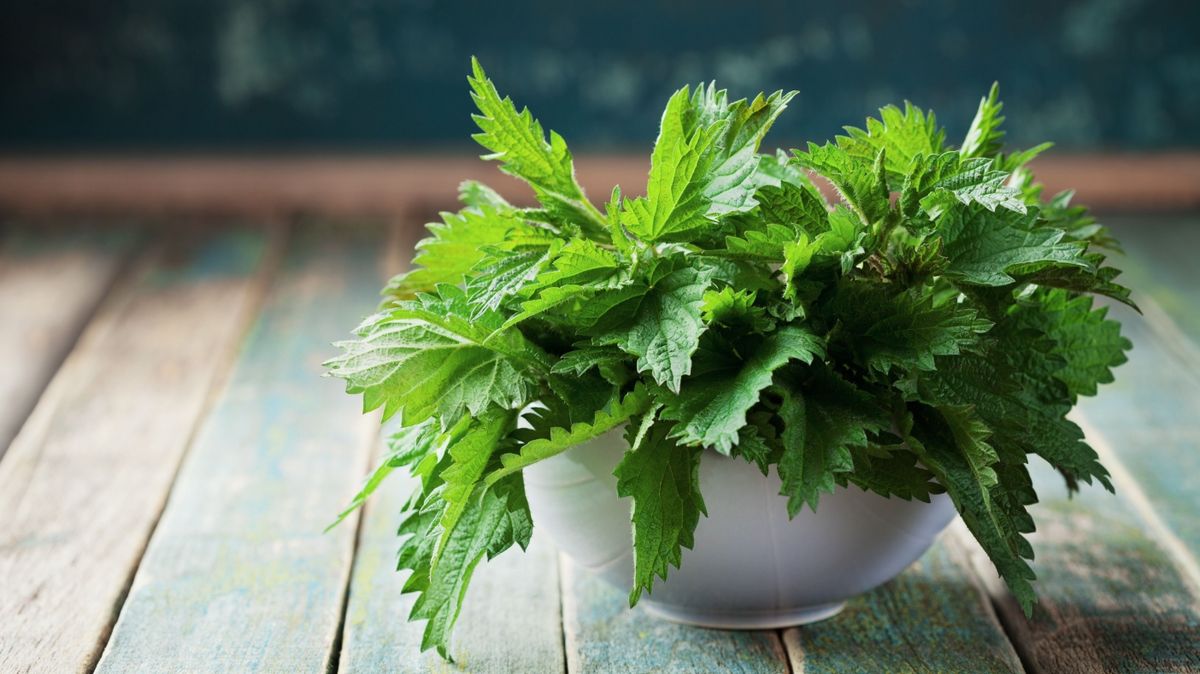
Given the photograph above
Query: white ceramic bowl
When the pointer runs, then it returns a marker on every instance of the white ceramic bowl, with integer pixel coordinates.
(751, 567)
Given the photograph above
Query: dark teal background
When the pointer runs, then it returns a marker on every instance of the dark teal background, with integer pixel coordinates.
(385, 75)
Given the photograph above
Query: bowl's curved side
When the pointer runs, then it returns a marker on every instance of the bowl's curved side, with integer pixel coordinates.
(751, 565)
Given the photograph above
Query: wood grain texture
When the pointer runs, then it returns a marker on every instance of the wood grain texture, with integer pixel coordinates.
(50, 283)
(238, 575)
(934, 617)
(1110, 598)
(1149, 418)
(510, 621)
(88, 474)
(603, 635)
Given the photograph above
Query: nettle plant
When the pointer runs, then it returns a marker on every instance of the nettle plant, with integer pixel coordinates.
(924, 332)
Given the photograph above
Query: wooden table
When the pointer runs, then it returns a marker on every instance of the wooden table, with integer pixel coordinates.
(175, 455)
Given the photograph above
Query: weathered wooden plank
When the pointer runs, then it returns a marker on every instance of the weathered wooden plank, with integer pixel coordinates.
(1110, 598)
(51, 280)
(88, 474)
(934, 617)
(511, 619)
(1149, 418)
(238, 575)
(604, 635)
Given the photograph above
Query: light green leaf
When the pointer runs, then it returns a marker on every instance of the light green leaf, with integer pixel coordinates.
(862, 187)
(456, 245)
(557, 440)
(485, 527)
(705, 163)
(900, 134)
(985, 138)
(430, 357)
(666, 326)
(504, 273)
(469, 453)
(517, 139)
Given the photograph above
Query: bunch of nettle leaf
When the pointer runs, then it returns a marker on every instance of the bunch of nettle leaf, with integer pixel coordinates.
(924, 333)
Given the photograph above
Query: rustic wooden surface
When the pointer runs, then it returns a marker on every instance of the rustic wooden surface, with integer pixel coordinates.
(86, 478)
(934, 617)
(238, 575)
(52, 280)
(206, 351)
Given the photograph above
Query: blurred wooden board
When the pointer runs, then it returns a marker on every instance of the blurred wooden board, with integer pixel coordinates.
(86, 479)
(239, 575)
(51, 280)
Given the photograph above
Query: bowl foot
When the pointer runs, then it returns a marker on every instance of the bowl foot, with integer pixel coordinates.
(757, 620)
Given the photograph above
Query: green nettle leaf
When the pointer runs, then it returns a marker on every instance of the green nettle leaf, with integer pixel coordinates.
(953, 446)
(862, 185)
(517, 139)
(430, 358)
(885, 329)
(985, 136)
(988, 250)
(900, 134)
(485, 527)
(663, 479)
(1089, 344)
(406, 447)
(925, 329)
(711, 409)
(705, 163)
(823, 419)
(469, 454)
(800, 208)
(666, 327)
(558, 439)
(936, 183)
(457, 244)
(505, 273)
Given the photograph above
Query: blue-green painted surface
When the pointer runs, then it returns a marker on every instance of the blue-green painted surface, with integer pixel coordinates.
(238, 575)
(1151, 414)
(382, 74)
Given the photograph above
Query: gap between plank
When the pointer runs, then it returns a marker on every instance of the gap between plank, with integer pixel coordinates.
(562, 612)
(333, 661)
(276, 243)
(401, 236)
(993, 596)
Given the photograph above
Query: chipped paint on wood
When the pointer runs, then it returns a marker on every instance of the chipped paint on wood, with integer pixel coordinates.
(934, 617)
